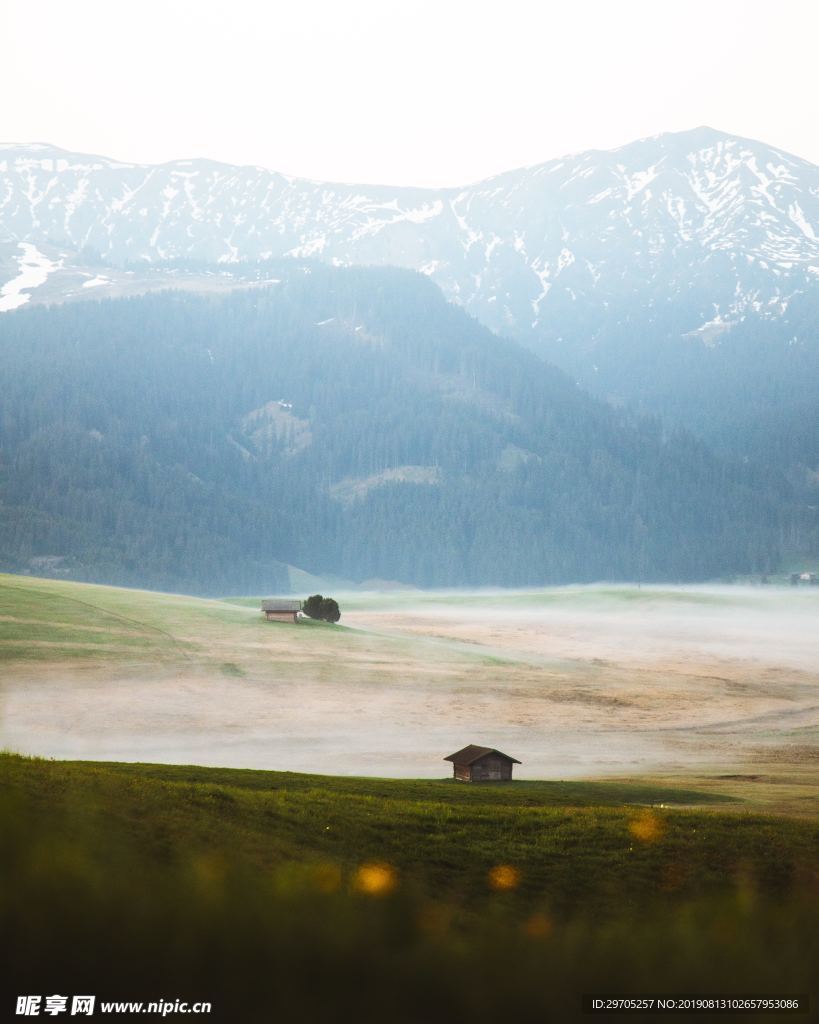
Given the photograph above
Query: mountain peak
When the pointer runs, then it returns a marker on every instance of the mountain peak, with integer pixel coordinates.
(699, 206)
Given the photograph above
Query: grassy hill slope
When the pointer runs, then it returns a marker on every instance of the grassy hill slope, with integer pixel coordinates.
(105, 673)
(319, 897)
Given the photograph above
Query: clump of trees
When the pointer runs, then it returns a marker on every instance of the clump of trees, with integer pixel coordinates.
(324, 608)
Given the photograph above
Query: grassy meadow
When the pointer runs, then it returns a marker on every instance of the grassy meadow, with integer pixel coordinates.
(321, 898)
(346, 894)
(709, 687)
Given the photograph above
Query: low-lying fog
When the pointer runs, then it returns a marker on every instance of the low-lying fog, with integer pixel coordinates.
(574, 681)
(778, 626)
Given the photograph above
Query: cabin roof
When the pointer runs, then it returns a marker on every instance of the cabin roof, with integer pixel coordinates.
(279, 605)
(471, 754)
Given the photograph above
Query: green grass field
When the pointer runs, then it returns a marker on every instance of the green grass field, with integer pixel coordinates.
(287, 896)
(181, 678)
(54, 620)
(322, 898)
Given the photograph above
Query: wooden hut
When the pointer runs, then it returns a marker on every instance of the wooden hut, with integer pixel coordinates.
(481, 764)
(281, 611)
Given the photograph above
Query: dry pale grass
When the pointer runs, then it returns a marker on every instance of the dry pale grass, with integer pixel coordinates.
(713, 685)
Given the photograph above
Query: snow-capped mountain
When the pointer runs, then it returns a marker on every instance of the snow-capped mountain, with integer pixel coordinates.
(661, 215)
(678, 275)
(614, 265)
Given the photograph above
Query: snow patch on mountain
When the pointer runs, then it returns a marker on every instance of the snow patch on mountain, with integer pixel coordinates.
(698, 212)
(33, 271)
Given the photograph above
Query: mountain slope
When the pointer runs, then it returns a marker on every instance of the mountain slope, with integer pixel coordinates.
(626, 268)
(350, 422)
(512, 249)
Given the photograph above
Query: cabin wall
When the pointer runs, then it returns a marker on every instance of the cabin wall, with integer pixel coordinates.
(489, 769)
(282, 616)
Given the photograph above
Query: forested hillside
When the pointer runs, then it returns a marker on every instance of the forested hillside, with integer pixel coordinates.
(348, 421)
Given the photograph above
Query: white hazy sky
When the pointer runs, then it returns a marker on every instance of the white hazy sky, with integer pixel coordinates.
(427, 92)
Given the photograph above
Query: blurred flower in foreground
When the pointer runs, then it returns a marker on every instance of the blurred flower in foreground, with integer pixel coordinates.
(375, 879)
(647, 827)
(538, 926)
(503, 877)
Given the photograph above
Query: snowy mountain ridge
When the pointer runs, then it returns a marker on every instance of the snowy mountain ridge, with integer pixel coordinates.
(544, 252)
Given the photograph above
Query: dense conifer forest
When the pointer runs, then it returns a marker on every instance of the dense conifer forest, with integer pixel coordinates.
(350, 422)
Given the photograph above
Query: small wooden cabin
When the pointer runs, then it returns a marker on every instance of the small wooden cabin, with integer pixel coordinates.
(281, 611)
(481, 764)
